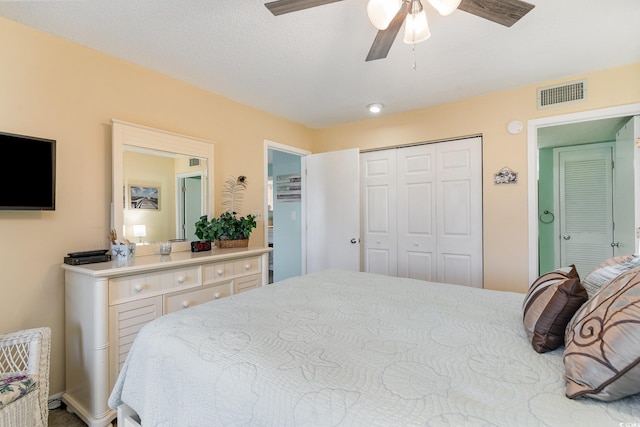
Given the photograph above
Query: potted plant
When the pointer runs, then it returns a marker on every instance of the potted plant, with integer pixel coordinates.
(230, 230)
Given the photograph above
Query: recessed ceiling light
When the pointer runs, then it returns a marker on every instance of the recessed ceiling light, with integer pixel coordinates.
(374, 108)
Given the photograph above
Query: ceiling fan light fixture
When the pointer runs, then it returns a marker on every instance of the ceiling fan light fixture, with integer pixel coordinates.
(416, 28)
(374, 108)
(445, 7)
(381, 12)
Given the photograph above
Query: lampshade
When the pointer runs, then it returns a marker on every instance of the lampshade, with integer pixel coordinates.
(140, 230)
(445, 7)
(416, 28)
(381, 12)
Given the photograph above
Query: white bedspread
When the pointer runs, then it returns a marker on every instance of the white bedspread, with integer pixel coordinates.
(353, 349)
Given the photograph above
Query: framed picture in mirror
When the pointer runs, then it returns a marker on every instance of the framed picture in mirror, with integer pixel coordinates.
(144, 197)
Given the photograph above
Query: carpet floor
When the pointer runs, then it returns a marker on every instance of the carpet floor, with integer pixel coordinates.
(60, 417)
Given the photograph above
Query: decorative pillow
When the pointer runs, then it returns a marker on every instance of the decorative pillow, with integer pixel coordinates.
(602, 351)
(11, 389)
(549, 305)
(608, 270)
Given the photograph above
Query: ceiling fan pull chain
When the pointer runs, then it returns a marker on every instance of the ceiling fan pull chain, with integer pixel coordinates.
(413, 47)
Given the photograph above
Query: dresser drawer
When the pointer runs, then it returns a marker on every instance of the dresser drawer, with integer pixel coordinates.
(176, 302)
(143, 285)
(247, 266)
(218, 271)
(243, 284)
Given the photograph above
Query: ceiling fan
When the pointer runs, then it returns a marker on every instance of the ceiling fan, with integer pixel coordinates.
(389, 15)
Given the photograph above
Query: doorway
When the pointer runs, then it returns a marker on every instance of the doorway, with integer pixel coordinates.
(190, 201)
(313, 219)
(583, 202)
(284, 222)
(535, 140)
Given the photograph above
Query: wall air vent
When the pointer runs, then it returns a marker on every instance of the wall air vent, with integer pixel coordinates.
(566, 93)
(194, 161)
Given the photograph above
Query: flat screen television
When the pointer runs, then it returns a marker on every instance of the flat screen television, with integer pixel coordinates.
(27, 173)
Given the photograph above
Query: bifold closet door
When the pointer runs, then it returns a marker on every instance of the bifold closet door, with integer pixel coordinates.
(378, 206)
(416, 212)
(459, 212)
(422, 211)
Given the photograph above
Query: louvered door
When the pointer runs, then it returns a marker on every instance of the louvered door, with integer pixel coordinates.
(585, 204)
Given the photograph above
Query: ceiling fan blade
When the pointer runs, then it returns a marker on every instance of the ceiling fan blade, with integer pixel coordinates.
(385, 38)
(505, 12)
(280, 7)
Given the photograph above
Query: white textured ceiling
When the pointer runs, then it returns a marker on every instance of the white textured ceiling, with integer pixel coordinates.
(309, 66)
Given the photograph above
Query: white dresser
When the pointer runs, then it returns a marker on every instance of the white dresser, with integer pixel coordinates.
(107, 304)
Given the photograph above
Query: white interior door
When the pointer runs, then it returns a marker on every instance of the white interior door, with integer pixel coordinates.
(459, 211)
(189, 198)
(379, 225)
(585, 204)
(332, 208)
(417, 212)
(626, 175)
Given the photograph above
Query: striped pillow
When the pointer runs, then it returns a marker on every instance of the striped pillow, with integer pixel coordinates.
(550, 304)
(608, 270)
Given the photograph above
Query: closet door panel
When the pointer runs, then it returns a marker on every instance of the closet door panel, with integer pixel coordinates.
(379, 231)
(459, 209)
(416, 212)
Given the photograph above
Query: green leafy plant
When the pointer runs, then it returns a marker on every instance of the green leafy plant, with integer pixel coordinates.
(228, 226)
(204, 230)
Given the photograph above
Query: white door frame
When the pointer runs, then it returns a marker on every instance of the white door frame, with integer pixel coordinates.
(271, 145)
(180, 200)
(532, 148)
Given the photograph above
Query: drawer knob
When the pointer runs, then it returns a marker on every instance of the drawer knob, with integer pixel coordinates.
(138, 288)
(247, 266)
(180, 279)
(185, 304)
(216, 295)
(220, 271)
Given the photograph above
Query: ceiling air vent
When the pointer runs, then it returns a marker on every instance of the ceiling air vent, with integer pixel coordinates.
(566, 93)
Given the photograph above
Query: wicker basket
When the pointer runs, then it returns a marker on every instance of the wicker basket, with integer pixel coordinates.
(233, 243)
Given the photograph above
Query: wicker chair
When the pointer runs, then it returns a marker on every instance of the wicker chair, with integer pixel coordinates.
(26, 354)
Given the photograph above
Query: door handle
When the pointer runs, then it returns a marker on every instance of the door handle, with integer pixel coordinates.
(566, 237)
(354, 240)
(615, 244)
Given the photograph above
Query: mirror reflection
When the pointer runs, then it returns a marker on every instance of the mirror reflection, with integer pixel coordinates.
(164, 195)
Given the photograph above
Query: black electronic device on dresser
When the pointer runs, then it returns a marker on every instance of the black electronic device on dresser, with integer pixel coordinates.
(87, 257)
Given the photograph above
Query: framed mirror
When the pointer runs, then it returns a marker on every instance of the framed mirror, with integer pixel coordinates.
(162, 183)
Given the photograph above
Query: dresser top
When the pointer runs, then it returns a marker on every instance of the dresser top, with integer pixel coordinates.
(145, 263)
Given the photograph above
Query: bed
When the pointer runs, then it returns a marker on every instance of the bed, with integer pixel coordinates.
(352, 349)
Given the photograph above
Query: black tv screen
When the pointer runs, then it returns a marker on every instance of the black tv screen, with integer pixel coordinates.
(28, 173)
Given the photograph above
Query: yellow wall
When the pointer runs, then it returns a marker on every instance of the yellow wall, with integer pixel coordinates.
(55, 89)
(505, 208)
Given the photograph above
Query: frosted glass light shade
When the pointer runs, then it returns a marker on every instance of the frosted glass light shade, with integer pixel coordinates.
(445, 7)
(381, 12)
(416, 28)
(140, 230)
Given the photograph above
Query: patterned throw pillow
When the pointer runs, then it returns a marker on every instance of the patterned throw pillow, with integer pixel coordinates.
(549, 305)
(13, 388)
(602, 351)
(608, 270)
